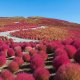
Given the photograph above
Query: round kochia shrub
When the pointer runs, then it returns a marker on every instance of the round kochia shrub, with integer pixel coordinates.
(52, 46)
(19, 54)
(5, 48)
(69, 71)
(57, 44)
(60, 51)
(76, 43)
(36, 62)
(43, 54)
(11, 52)
(24, 76)
(32, 52)
(41, 74)
(19, 60)
(17, 49)
(71, 50)
(2, 60)
(1, 78)
(13, 66)
(60, 60)
(77, 56)
(27, 49)
(26, 57)
(49, 48)
(40, 47)
(68, 41)
(7, 75)
(2, 53)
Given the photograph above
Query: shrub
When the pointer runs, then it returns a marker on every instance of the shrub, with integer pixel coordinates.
(60, 60)
(32, 52)
(77, 56)
(26, 57)
(13, 66)
(41, 74)
(11, 52)
(24, 76)
(43, 54)
(19, 60)
(76, 43)
(71, 50)
(69, 71)
(2, 60)
(60, 51)
(7, 75)
(41, 47)
(36, 61)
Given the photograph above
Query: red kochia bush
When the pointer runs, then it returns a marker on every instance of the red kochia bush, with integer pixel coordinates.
(40, 47)
(26, 57)
(13, 66)
(77, 43)
(57, 44)
(11, 52)
(71, 50)
(68, 41)
(60, 51)
(19, 60)
(41, 74)
(5, 48)
(17, 48)
(68, 72)
(27, 49)
(2, 60)
(36, 62)
(2, 53)
(19, 54)
(60, 60)
(24, 76)
(50, 48)
(43, 54)
(7, 75)
(77, 56)
(1, 78)
(32, 52)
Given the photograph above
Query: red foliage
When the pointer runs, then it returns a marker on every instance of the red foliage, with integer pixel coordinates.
(36, 62)
(26, 57)
(71, 50)
(68, 72)
(43, 54)
(59, 61)
(24, 76)
(60, 51)
(13, 66)
(10, 52)
(77, 56)
(7, 75)
(2, 60)
(41, 74)
(18, 60)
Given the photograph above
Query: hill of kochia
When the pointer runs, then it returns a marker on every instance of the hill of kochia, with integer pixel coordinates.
(36, 20)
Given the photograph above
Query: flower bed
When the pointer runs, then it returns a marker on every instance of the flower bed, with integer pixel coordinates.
(35, 60)
(17, 26)
(49, 33)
